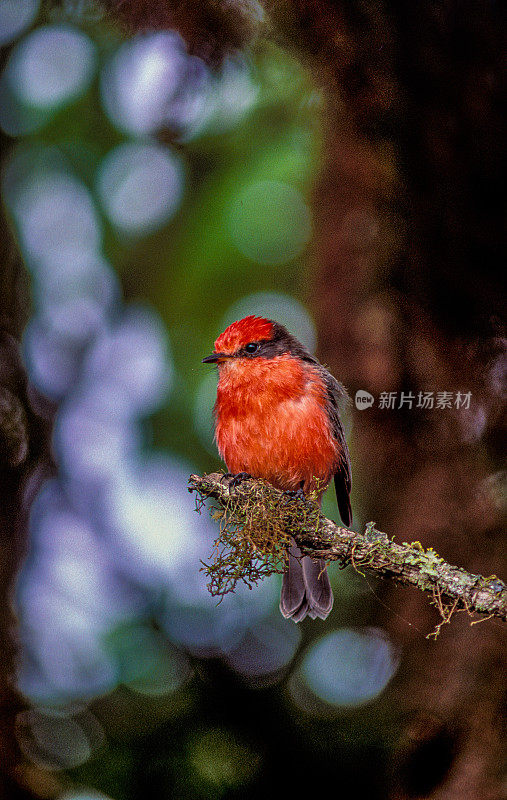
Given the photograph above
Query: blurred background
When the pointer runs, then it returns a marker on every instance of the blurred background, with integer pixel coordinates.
(155, 195)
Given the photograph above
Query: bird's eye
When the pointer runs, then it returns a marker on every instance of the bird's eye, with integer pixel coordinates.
(251, 348)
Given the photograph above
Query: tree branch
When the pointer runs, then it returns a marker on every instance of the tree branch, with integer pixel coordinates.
(450, 587)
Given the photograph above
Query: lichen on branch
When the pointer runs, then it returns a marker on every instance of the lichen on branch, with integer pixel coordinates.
(258, 521)
(254, 533)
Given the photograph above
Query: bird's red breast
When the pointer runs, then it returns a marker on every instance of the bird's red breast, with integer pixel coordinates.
(271, 418)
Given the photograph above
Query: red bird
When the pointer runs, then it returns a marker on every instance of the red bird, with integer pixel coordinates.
(277, 418)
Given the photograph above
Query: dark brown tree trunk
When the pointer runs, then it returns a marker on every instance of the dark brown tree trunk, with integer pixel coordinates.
(409, 298)
(24, 461)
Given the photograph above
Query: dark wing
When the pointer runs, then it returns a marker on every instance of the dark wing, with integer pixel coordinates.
(283, 342)
(337, 396)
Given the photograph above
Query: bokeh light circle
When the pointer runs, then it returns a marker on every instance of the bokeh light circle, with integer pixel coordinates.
(52, 65)
(133, 358)
(52, 360)
(70, 593)
(222, 761)
(149, 665)
(67, 659)
(15, 17)
(94, 441)
(269, 222)
(16, 118)
(235, 94)
(59, 212)
(191, 106)
(52, 208)
(74, 292)
(349, 667)
(140, 77)
(148, 514)
(140, 186)
(266, 648)
(83, 794)
(56, 742)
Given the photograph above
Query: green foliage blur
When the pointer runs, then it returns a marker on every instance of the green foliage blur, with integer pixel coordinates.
(214, 735)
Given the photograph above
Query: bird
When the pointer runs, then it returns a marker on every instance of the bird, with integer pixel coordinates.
(277, 418)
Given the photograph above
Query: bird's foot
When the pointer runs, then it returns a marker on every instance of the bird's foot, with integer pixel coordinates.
(235, 479)
(298, 494)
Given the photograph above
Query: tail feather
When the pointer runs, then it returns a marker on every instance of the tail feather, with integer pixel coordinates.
(318, 588)
(301, 612)
(305, 588)
(292, 597)
(343, 499)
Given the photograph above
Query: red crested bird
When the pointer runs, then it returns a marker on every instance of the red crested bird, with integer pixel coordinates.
(277, 418)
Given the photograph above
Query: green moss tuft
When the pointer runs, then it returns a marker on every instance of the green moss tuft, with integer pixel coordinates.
(254, 535)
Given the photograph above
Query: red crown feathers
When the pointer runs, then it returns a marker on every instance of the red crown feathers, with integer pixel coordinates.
(237, 335)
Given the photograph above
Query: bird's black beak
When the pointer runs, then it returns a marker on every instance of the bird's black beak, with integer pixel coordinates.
(214, 358)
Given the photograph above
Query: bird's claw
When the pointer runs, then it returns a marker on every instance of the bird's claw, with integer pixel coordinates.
(235, 479)
(297, 494)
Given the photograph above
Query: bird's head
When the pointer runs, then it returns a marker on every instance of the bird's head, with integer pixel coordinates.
(250, 337)
(259, 357)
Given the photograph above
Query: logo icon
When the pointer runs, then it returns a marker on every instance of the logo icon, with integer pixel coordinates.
(363, 399)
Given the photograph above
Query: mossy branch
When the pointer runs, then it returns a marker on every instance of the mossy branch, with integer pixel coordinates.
(257, 521)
